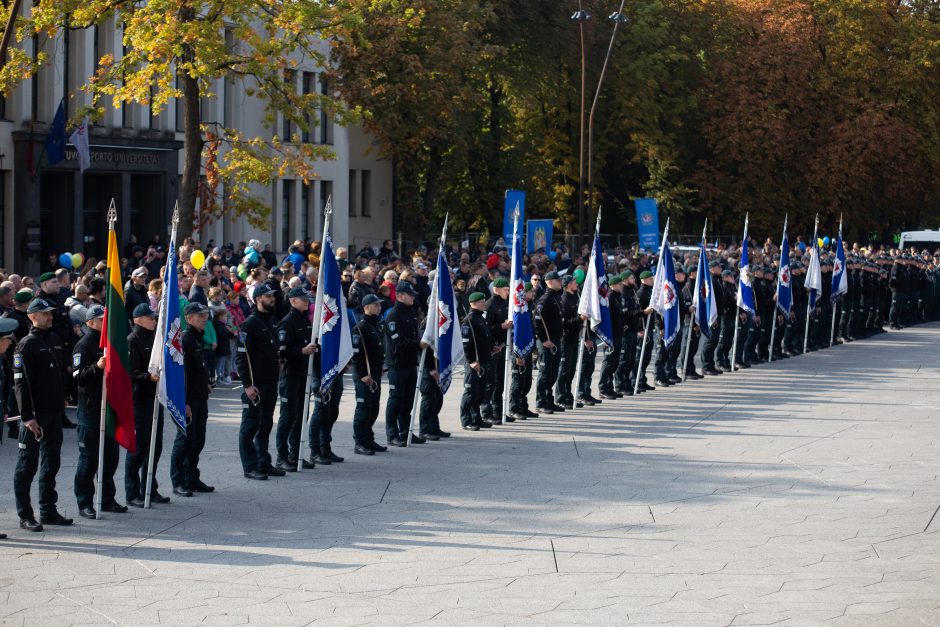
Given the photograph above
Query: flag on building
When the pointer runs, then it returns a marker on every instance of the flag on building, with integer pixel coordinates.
(442, 329)
(55, 141)
(334, 332)
(119, 416)
(664, 298)
(166, 357)
(79, 139)
(595, 294)
(703, 302)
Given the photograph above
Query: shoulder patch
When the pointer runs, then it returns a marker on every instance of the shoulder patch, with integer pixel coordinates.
(76, 360)
(355, 339)
(282, 335)
(17, 361)
(242, 336)
(391, 324)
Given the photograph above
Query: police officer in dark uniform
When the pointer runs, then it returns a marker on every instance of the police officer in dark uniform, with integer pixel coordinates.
(497, 318)
(38, 374)
(632, 331)
(549, 329)
(140, 346)
(325, 414)
(402, 352)
(7, 327)
(478, 347)
(88, 369)
(688, 314)
(184, 461)
(294, 350)
(713, 343)
(612, 358)
(573, 325)
(18, 315)
(521, 382)
(432, 400)
(256, 363)
(728, 317)
(61, 326)
(368, 357)
(643, 297)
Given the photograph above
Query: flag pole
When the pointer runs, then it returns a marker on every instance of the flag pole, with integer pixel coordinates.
(424, 351)
(646, 330)
(806, 331)
(832, 327)
(314, 339)
(773, 326)
(507, 370)
(586, 323)
(112, 218)
(688, 338)
(737, 314)
(156, 397)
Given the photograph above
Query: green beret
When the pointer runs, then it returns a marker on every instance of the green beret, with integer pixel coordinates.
(24, 295)
(46, 276)
(476, 296)
(500, 282)
(615, 280)
(626, 274)
(646, 274)
(528, 286)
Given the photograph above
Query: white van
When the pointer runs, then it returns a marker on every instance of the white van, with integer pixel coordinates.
(919, 240)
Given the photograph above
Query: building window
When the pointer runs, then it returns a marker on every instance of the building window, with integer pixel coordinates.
(305, 211)
(287, 193)
(308, 87)
(326, 192)
(365, 198)
(326, 127)
(352, 194)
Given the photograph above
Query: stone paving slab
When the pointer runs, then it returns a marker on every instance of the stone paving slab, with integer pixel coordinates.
(794, 492)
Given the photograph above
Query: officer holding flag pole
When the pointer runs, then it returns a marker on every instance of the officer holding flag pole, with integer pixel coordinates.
(784, 296)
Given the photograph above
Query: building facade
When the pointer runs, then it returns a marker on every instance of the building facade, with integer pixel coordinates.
(46, 210)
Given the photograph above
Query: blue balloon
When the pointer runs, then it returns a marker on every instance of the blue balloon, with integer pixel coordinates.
(826, 241)
(802, 247)
(552, 255)
(65, 260)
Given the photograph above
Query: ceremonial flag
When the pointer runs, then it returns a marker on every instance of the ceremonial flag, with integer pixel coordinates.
(442, 329)
(119, 421)
(813, 281)
(784, 289)
(664, 298)
(55, 140)
(745, 291)
(840, 282)
(333, 324)
(79, 139)
(166, 357)
(703, 302)
(595, 295)
(523, 336)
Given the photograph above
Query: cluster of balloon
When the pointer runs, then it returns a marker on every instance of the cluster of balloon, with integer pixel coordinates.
(71, 260)
(198, 259)
(579, 276)
(824, 241)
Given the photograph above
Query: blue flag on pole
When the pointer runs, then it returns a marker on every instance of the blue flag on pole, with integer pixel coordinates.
(595, 295)
(334, 332)
(539, 235)
(647, 222)
(166, 356)
(56, 140)
(784, 288)
(442, 328)
(523, 336)
(706, 308)
(745, 291)
(840, 283)
(665, 298)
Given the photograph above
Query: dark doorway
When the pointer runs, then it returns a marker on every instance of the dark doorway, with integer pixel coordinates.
(147, 210)
(56, 213)
(100, 190)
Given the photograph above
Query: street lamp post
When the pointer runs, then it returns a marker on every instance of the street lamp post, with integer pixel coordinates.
(581, 17)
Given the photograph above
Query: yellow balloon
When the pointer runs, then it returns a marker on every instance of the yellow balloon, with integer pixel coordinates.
(77, 260)
(820, 242)
(198, 259)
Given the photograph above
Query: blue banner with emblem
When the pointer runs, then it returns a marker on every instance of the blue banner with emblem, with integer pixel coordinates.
(647, 222)
(514, 198)
(538, 235)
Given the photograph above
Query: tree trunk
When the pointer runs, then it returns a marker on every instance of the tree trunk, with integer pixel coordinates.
(192, 149)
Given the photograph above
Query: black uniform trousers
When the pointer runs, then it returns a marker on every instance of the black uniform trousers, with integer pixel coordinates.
(325, 413)
(291, 390)
(609, 366)
(694, 339)
(184, 460)
(494, 384)
(88, 434)
(587, 370)
(549, 362)
(727, 339)
(135, 464)
(44, 456)
(431, 403)
(623, 381)
(710, 348)
(566, 368)
(255, 431)
(367, 410)
(474, 387)
(647, 357)
(520, 385)
(401, 397)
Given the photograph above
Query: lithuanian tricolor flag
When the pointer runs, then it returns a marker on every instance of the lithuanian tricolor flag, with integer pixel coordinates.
(119, 422)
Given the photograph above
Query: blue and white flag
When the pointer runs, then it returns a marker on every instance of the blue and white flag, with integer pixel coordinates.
(442, 328)
(595, 295)
(166, 357)
(703, 302)
(523, 336)
(745, 291)
(664, 298)
(813, 281)
(333, 330)
(784, 288)
(840, 281)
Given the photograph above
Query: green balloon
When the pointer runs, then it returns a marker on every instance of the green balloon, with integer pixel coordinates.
(579, 276)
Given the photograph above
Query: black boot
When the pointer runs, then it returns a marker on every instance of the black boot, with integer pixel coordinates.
(327, 452)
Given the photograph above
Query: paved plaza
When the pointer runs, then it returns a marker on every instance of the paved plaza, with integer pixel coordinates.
(800, 491)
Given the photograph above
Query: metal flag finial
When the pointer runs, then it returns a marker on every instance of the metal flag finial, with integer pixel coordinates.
(515, 212)
(112, 213)
(176, 212)
(328, 209)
